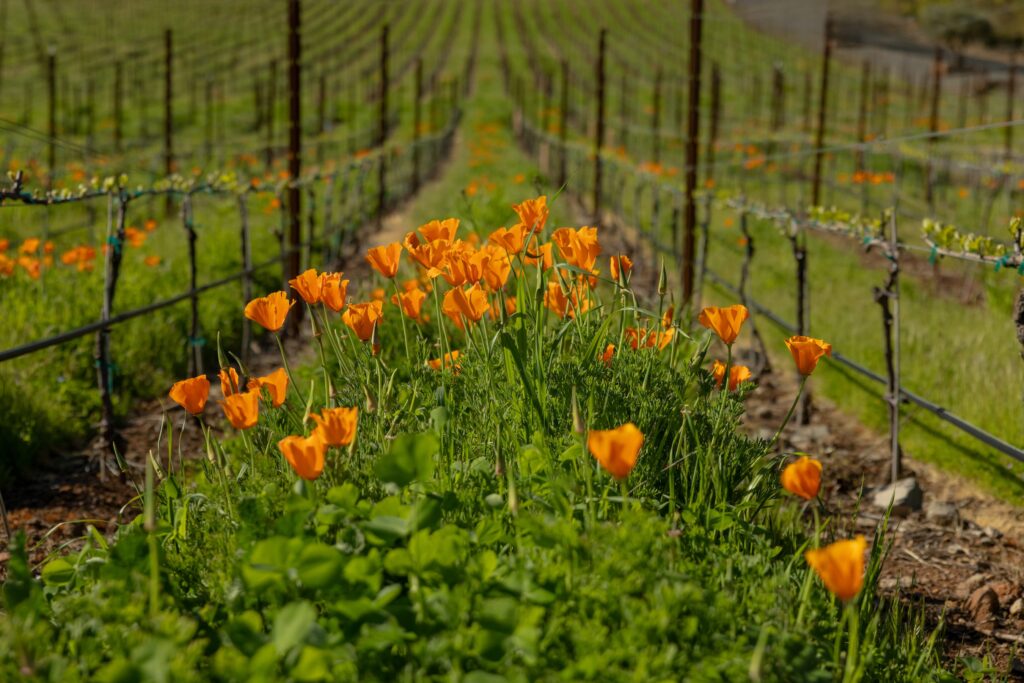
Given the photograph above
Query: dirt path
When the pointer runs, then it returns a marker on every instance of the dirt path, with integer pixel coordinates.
(961, 555)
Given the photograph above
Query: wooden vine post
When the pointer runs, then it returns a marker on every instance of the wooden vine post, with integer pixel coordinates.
(888, 298)
(692, 134)
(1011, 92)
(417, 124)
(51, 104)
(563, 127)
(118, 105)
(114, 251)
(169, 112)
(656, 119)
(294, 195)
(243, 215)
(271, 105)
(862, 112)
(382, 126)
(195, 340)
(599, 128)
(933, 126)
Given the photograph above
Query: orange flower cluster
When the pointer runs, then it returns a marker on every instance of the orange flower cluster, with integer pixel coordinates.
(321, 288)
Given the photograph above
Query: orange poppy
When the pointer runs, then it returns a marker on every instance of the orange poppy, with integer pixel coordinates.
(737, 374)
(840, 566)
(470, 304)
(510, 307)
(495, 266)
(363, 318)
(725, 322)
(533, 214)
(336, 426)
(276, 384)
(191, 394)
(643, 338)
(511, 239)
(269, 311)
(802, 478)
(385, 259)
(333, 291)
(4, 245)
(305, 454)
(443, 231)
(807, 351)
(152, 261)
(242, 410)
(462, 266)
(308, 285)
(29, 246)
(228, 381)
(410, 302)
(448, 360)
(606, 357)
(620, 264)
(616, 449)
(430, 255)
(150, 225)
(578, 247)
(666, 320)
(540, 256)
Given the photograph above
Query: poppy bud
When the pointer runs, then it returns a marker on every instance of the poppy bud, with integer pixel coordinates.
(662, 280)
(375, 341)
(577, 422)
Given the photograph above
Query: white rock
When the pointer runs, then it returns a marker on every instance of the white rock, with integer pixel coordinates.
(940, 512)
(905, 495)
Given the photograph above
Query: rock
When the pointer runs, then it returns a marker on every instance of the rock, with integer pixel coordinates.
(992, 532)
(1017, 607)
(891, 582)
(906, 496)
(983, 605)
(940, 512)
(968, 585)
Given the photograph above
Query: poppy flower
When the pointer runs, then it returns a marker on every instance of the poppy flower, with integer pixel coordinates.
(511, 239)
(725, 322)
(533, 213)
(840, 566)
(228, 381)
(242, 409)
(430, 255)
(150, 225)
(737, 374)
(29, 246)
(495, 310)
(362, 318)
(448, 360)
(333, 291)
(470, 304)
(135, 237)
(308, 285)
(539, 256)
(191, 394)
(620, 264)
(305, 454)
(606, 357)
(666, 320)
(807, 351)
(385, 259)
(4, 245)
(496, 267)
(616, 449)
(555, 299)
(336, 426)
(462, 267)
(276, 384)
(269, 311)
(578, 247)
(642, 338)
(440, 231)
(31, 265)
(152, 261)
(802, 478)
(410, 302)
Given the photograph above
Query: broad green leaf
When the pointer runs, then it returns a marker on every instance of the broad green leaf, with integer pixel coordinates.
(319, 565)
(291, 625)
(58, 572)
(410, 458)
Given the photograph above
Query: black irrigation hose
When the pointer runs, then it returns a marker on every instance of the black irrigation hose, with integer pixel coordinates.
(937, 410)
